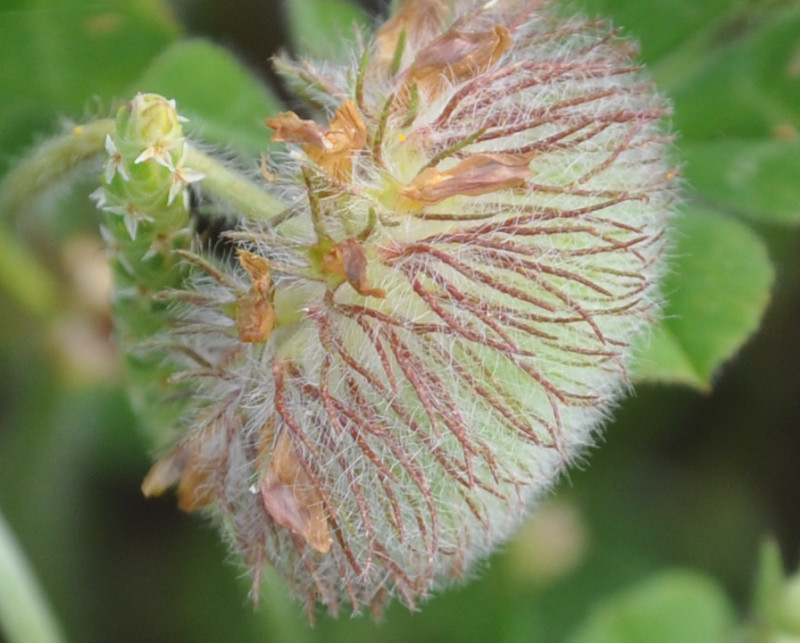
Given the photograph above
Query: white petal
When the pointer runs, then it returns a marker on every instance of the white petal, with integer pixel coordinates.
(191, 176)
(158, 154)
(119, 210)
(131, 225)
(99, 197)
(175, 189)
(111, 148)
(123, 172)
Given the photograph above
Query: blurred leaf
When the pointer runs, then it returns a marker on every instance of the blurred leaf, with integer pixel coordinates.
(749, 80)
(776, 600)
(659, 357)
(24, 613)
(661, 27)
(733, 71)
(759, 178)
(790, 604)
(224, 102)
(675, 606)
(324, 28)
(769, 585)
(58, 57)
(717, 290)
(731, 67)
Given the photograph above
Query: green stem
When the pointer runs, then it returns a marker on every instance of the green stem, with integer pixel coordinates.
(50, 162)
(21, 274)
(281, 616)
(24, 613)
(55, 159)
(248, 198)
(24, 277)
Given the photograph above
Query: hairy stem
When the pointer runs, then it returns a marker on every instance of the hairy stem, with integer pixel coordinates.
(50, 162)
(249, 199)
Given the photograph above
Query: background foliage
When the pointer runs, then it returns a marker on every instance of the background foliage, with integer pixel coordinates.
(657, 538)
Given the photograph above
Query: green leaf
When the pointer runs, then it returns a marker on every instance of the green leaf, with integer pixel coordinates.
(662, 27)
(659, 357)
(717, 289)
(324, 28)
(674, 606)
(24, 612)
(749, 84)
(758, 178)
(776, 600)
(770, 580)
(224, 102)
(731, 66)
(66, 58)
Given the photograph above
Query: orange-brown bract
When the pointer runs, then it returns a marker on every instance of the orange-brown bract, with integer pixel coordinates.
(290, 498)
(255, 317)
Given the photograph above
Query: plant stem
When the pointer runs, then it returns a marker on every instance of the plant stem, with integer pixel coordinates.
(248, 198)
(25, 278)
(282, 619)
(21, 274)
(50, 162)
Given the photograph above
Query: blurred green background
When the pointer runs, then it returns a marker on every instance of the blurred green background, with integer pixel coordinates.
(672, 506)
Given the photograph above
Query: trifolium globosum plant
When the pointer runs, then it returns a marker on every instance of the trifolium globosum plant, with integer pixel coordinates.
(425, 309)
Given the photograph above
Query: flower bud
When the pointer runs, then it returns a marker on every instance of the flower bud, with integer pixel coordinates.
(143, 196)
(442, 318)
(144, 179)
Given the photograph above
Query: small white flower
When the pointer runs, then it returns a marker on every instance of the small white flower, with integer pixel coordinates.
(115, 162)
(100, 197)
(159, 153)
(181, 178)
(132, 215)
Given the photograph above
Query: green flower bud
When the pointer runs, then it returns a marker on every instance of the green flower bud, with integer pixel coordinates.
(145, 179)
(143, 195)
